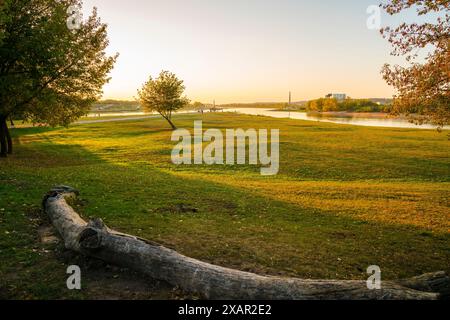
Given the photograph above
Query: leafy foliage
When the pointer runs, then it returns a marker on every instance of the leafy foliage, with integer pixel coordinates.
(423, 89)
(163, 95)
(48, 73)
(322, 105)
(362, 105)
(350, 105)
(197, 105)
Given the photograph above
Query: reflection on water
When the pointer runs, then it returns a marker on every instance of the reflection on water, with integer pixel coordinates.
(369, 120)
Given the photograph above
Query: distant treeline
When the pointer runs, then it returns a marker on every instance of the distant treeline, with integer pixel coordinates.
(350, 105)
(115, 106)
(268, 105)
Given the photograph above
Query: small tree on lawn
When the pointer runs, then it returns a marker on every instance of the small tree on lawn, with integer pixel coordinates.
(198, 106)
(163, 95)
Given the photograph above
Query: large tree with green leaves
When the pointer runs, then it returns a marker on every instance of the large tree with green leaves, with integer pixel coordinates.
(163, 95)
(423, 88)
(52, 67)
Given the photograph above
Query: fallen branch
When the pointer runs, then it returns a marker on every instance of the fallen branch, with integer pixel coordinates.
(94, 239)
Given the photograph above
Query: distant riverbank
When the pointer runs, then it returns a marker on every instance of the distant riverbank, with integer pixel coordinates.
(370, 119)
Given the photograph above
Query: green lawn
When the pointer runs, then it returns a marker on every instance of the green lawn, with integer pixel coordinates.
(346, 197)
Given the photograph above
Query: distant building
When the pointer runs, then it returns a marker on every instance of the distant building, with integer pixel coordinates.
(337, 96)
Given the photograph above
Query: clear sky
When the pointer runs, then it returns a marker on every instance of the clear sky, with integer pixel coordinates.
(246, 50)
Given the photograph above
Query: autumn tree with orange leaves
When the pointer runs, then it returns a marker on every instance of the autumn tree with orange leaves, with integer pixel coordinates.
(423, 89)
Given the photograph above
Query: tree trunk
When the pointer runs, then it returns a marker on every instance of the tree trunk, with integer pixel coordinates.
(174, 127)
(168, 119)
(3, 137)
(213, 282)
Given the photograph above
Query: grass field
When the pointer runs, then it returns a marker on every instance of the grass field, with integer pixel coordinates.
(346, 197)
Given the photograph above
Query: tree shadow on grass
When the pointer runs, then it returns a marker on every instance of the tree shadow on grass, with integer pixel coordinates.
(16, 132)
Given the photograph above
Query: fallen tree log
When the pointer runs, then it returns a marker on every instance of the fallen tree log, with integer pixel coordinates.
(94, 239)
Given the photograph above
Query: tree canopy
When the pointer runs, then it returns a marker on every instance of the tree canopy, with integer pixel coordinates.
(423, 89)
(49, 73)
(163, 95)
(350, 105)
(322, 105)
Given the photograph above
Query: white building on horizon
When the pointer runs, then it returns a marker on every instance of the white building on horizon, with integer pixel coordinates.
(337, 96)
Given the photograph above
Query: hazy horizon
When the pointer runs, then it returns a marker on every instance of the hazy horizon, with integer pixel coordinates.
(239, 102)
(247, 52)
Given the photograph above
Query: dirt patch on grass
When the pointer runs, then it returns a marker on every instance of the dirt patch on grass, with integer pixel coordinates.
(178, 208)
(102, 281)
(342, 235)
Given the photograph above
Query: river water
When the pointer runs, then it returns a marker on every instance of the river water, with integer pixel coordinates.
(360, 119)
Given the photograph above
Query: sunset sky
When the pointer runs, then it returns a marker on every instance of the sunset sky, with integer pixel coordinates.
(247, 51)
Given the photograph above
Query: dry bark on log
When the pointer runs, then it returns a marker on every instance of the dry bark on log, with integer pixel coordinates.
(94, 239)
